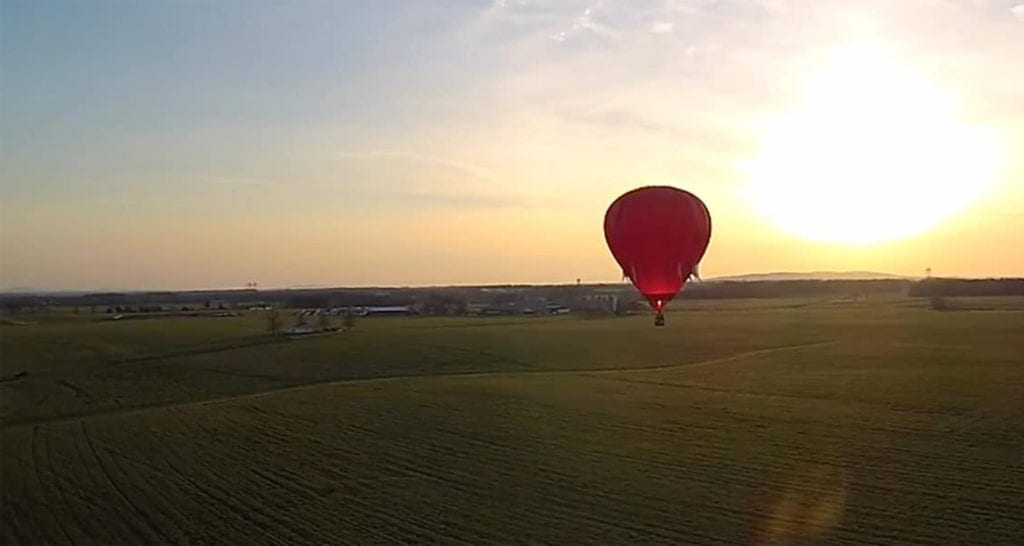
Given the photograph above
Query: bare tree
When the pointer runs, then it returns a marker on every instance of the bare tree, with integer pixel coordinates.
(324, 321)
(348, 321)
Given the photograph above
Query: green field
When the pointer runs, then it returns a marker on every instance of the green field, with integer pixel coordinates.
(742, 422)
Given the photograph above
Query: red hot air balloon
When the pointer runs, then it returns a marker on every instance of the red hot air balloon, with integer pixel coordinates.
(658, 234)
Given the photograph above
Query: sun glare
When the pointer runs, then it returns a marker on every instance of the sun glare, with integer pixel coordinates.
(873, 153)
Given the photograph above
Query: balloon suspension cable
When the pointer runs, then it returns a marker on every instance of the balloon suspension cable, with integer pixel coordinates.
(659, 319)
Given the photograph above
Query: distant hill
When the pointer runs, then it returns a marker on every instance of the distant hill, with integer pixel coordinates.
(808, 276)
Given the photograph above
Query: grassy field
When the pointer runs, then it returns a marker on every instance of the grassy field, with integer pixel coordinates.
(775, 421)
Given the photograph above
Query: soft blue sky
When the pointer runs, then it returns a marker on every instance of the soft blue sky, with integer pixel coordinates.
(189, 144)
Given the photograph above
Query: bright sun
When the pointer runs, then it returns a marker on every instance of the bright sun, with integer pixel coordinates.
(873, 153)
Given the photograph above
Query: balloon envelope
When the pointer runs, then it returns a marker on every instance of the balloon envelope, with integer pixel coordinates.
(658, 234)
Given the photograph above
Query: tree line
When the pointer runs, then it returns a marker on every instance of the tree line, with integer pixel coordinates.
(454, 300)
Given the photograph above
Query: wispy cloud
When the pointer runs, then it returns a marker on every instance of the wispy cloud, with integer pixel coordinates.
(715, 142)
(662, 27)
(460, 166)
(1018, 11)
(443, 199)
(620, 118)
(217, 180)
(587, 22)
(427, 180)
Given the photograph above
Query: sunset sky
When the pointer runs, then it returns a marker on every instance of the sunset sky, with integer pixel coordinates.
(209, 144)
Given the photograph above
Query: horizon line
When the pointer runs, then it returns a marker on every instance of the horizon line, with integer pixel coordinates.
(724, 278)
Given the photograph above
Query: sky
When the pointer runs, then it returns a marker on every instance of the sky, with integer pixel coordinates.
(173, 145)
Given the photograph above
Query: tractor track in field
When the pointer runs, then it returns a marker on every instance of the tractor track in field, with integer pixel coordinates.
(584, 372)
(144, 528)
(36, 464)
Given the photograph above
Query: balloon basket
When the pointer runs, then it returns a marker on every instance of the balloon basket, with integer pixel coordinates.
(659, 319)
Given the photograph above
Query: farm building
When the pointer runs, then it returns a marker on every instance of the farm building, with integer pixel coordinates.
(599, 303)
